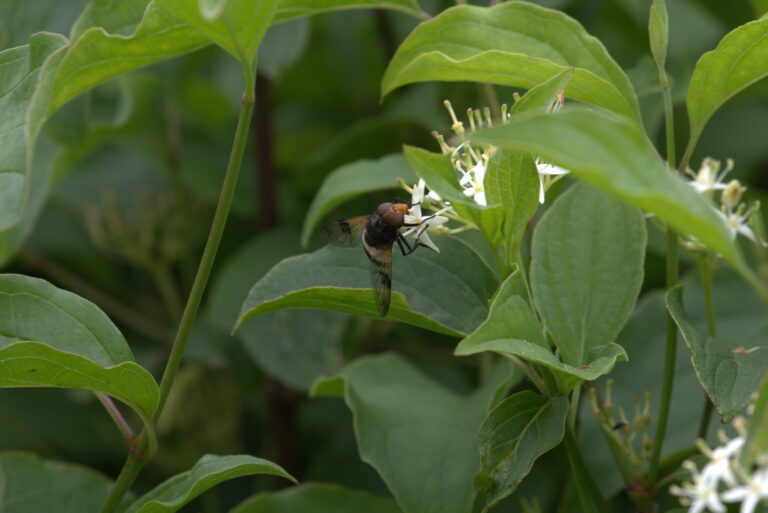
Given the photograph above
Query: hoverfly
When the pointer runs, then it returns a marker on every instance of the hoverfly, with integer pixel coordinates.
(378, 232)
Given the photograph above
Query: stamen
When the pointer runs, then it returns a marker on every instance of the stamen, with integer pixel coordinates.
(471, 120)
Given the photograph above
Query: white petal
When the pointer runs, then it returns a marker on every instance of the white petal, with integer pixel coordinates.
(435, 196)
(749, 504)
(425, 240)
(541, 189)
(480, 198)
(469, 192)
(736, 494)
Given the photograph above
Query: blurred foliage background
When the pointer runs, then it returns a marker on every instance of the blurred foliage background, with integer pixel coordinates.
(138, 164)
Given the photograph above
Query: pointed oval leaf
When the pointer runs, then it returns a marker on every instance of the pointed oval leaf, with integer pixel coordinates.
(587, 269)
(25, 88)
(615, 155)
(446, 292)
(318, 498)
(237, 26)
(97, 56)
(290, 9)
(730, 369)
(352, 180)
(419, 436)
(51, 337)
(739, 60)
(29, 484)
(512, 328)
(517, 431)
(516, 44)
(209, 471)
(511, 179)
(33, 364)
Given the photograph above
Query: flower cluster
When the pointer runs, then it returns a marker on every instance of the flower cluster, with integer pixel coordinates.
(723, 479)
(471, 161)
(710, 178)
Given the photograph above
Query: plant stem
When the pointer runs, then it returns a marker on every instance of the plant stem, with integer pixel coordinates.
(131, 469)
(212, 245)
(589, 493)
(707, 279)
(673, 270)
(670, 354)
(124, 427)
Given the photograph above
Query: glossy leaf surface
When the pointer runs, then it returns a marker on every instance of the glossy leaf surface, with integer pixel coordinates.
(615, 155)
(587, 270)
(33, 485)
(729, 368)
(209, 471)
(512, 328)
(517, 431)
(446, 292)
(409, 428)
(739, 60)
(515, 44)
(53, 338)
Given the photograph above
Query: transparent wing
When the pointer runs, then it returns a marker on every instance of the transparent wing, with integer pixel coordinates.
(345, 232)
(381, 278)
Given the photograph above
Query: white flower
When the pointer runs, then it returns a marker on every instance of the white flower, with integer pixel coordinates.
(422, 224)
(546, 170)
(750, 495)
(738, 223)
(707, 178)
(472, 182)
(699, 496)
(719, 466)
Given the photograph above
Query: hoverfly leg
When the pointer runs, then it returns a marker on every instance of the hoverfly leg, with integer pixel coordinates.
(401, 240)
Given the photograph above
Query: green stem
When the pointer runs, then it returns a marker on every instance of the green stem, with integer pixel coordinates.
(707, 279)
(211, 246)
(669, 119)
(131, 469)
(589, 493)
(669, 361)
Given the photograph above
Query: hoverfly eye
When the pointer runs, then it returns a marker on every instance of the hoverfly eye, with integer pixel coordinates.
(394, 218)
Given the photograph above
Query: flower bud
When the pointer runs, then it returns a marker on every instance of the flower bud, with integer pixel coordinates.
(732, 194)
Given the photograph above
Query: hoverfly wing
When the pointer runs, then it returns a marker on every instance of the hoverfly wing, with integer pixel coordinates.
(345, 232)
(381, 277)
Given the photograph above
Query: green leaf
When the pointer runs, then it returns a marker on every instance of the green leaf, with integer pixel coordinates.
(541, 96)
(512, 180)
(209, 471)
(24, 95)
(237, 26)
(446, 292)
(440, 175)
(419, 436)
(97, 56)
(515, 44)
(740, 59)
(29, 484)
(658, 31)
(587, 270)
(352, 180)
(290, 9)
(53, 338)
(33, 364)
(512, 329)
(615, 155)
(293, 346)
(317, 498)
(516, 432)
(729, 368)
